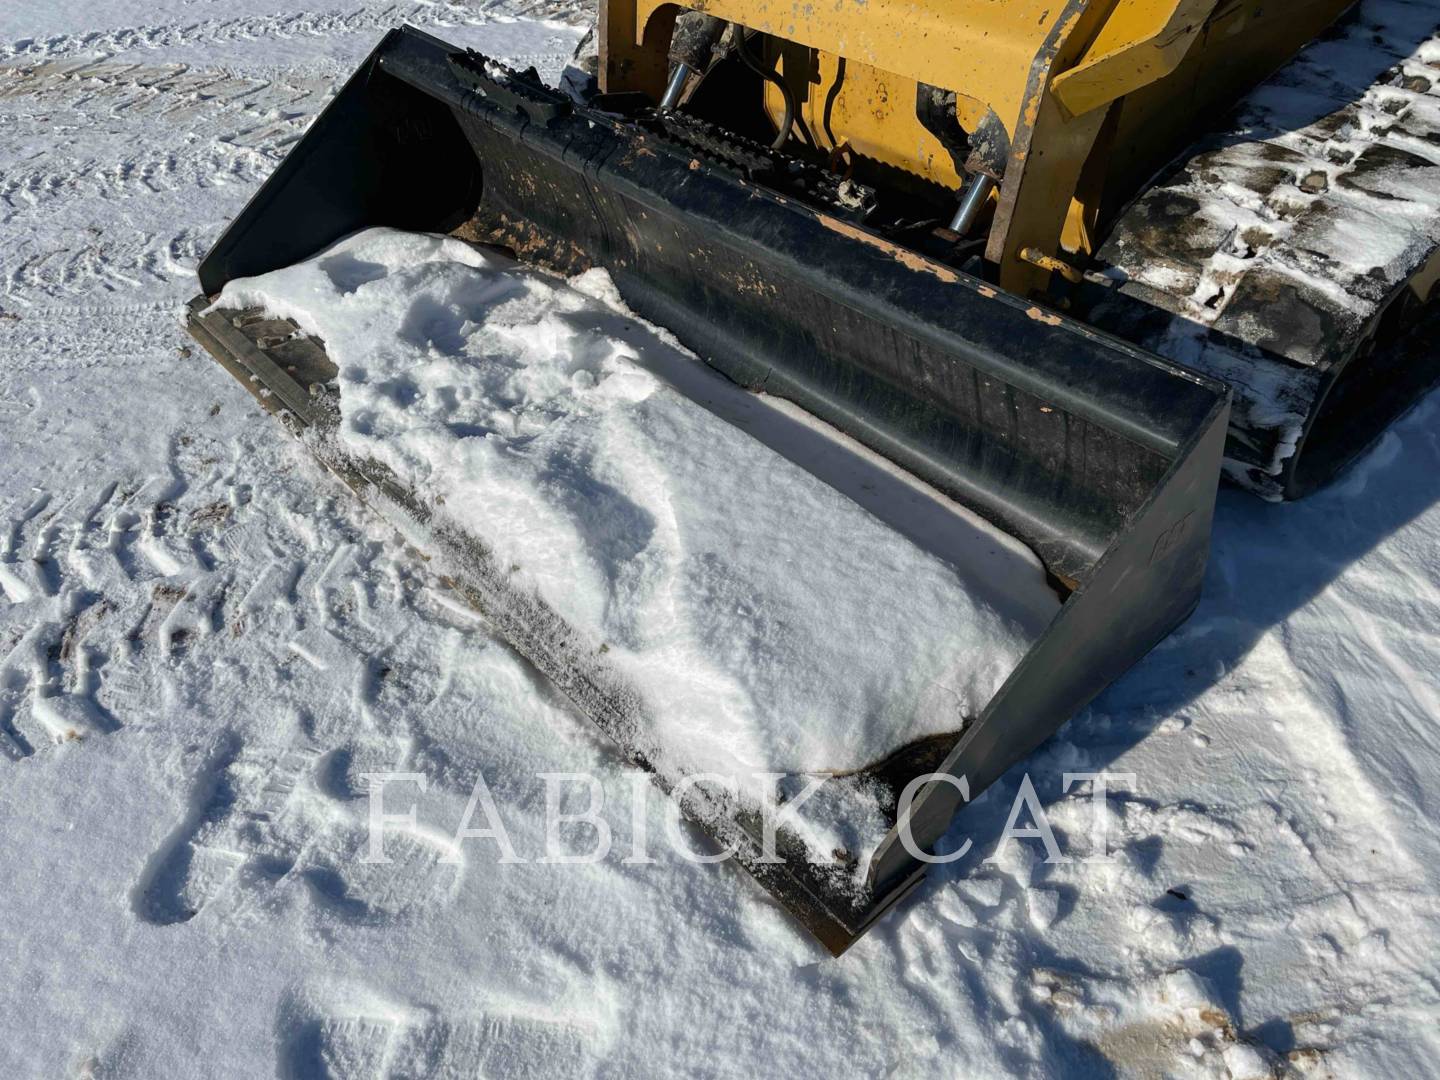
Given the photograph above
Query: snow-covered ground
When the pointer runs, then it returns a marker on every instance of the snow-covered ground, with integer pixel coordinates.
(236, 643)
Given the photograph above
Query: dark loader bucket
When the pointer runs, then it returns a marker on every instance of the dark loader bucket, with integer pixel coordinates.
(1100, 457)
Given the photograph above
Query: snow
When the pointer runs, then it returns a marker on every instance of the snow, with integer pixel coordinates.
(769, 623)
(236, 644)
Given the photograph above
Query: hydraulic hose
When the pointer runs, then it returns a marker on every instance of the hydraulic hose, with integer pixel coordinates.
(787, 120)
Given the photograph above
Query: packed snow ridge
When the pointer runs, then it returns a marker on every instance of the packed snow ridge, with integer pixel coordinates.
(769, 622)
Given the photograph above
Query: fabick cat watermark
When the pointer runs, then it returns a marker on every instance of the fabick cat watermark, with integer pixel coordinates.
(581, 812)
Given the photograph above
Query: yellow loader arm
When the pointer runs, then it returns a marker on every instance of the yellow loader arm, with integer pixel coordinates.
(1092, 95)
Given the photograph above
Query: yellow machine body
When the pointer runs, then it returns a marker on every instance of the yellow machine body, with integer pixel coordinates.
(1095, 95)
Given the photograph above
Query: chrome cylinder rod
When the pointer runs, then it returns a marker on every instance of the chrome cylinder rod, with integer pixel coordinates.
(677, 84)
(973, 201)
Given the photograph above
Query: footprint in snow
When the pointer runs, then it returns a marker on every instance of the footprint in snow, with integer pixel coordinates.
(260, 821)
(438, 1048)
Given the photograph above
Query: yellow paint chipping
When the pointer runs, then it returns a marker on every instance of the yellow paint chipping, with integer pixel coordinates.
(902, 255)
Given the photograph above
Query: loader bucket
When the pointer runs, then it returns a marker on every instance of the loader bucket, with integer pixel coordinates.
(1102, 458)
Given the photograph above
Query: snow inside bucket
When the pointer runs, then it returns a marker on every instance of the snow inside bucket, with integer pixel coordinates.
(783, 600)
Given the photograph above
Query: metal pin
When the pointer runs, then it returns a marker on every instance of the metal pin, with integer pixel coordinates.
(976, 195)
(677, 83)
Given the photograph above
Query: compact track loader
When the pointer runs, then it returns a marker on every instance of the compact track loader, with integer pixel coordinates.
(933, 226)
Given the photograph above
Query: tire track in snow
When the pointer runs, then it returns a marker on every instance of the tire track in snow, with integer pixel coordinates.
(225, 129)
(293, 24)
(127, 178)
(571, 12)
(240, 28)
(109, 590)
(238, 127)
(51, 661)
(233, 128)
(226, 133)
(99, 261)
(91, 581)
